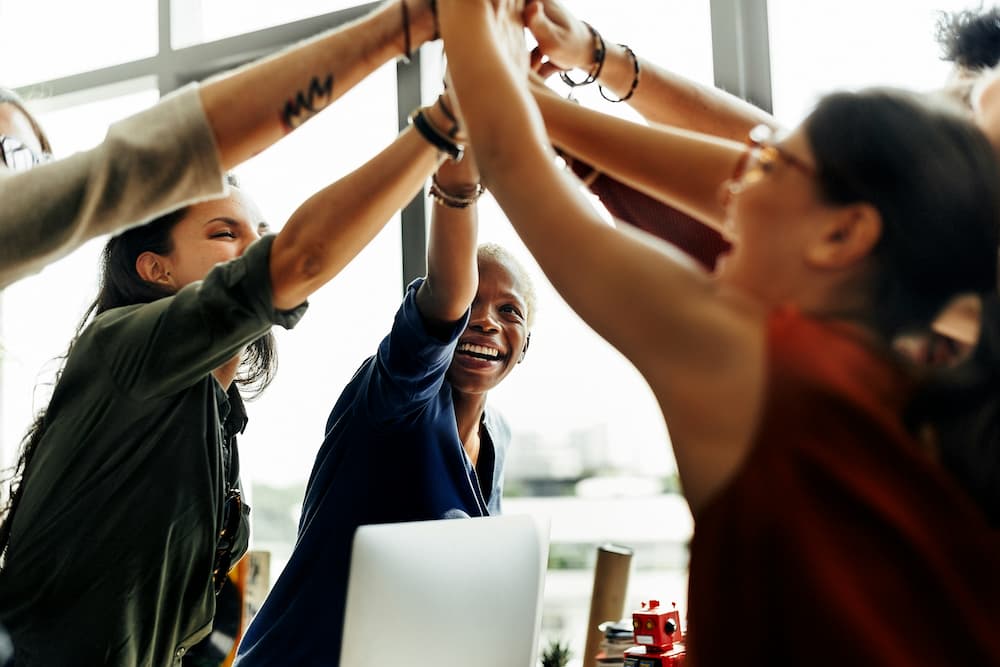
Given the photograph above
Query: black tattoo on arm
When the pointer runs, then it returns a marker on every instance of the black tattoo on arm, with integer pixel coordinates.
(308, 103)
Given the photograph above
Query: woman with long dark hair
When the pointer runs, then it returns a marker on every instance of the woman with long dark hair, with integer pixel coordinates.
(841, 517)
(127, 512)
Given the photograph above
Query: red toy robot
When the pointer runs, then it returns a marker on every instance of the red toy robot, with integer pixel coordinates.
(658, 633)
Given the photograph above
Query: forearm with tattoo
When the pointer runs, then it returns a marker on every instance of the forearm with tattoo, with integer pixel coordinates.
(307, 103)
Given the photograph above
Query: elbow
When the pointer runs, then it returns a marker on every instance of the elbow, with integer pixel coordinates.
(295, 275)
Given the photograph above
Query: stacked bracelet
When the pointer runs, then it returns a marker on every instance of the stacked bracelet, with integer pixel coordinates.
(435, 137)
(452, 200)
(635, 78)
(595, 70)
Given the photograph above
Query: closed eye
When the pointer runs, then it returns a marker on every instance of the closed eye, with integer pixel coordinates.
(225, 233)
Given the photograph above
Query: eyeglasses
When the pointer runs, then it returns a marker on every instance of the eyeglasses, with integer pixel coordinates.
(761, 157)
(232, 512)
(18, 156)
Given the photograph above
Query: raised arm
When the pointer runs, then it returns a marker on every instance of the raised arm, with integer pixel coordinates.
(252, 107)
(675, 166)
(335, 224)
(452, 274)
(163, 158)
(668, 318)
(661, 96)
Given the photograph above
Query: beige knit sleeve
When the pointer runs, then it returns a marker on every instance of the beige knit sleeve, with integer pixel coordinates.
(148, 164)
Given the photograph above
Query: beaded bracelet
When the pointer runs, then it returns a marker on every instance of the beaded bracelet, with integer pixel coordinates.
(451, 200)
(595, 71)
(635, 78)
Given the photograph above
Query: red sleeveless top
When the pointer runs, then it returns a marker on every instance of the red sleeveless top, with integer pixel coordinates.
(838, 542)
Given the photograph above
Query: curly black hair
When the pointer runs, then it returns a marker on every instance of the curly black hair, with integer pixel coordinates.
(970, 38)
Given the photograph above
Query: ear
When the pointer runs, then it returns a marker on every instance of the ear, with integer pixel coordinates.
(153, 268)
(846, 238)
(524, 350)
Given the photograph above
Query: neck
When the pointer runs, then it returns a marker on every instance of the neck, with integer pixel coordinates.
(226, 373)
(843, 297)
(468, 415)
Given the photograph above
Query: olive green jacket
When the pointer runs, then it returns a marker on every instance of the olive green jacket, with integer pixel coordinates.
(112, 546)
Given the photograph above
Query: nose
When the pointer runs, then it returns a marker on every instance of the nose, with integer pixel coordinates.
(483, 319)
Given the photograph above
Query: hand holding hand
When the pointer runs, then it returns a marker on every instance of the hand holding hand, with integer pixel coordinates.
(562, 38)
(506, 20)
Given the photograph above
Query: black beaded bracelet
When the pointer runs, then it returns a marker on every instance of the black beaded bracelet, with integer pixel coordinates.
(600, 50)
(434, 137)
(635, 78)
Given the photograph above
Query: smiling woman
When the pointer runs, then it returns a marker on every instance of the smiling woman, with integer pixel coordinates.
(139, 436)
(411, 436)
(789, 412)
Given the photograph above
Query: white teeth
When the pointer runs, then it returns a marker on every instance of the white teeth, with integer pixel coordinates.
(480, 349)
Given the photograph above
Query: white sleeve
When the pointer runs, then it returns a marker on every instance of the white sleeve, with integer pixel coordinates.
(148, 164)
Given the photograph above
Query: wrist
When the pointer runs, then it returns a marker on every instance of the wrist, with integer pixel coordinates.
(595, 60)
(432, 123)
(443, 119)
(620, 73)
(418, 25)
(455, 195)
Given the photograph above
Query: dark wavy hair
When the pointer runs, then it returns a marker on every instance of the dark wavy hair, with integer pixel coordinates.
(121, 285)
(970, 38)
(935, 180)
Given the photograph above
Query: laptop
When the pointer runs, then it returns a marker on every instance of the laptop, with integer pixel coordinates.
(446, 593)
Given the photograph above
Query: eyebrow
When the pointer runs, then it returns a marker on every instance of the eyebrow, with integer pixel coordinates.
(510, 296)
(229, 221)
(261, 227)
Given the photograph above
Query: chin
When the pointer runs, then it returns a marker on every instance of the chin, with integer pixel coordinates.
(462, 382)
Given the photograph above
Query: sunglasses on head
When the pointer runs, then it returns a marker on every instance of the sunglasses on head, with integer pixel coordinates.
(18, 156)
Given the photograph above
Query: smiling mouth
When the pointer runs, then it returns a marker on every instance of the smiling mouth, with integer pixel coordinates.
(480, 352)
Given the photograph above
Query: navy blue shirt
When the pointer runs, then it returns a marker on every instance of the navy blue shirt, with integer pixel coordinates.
(392, 453)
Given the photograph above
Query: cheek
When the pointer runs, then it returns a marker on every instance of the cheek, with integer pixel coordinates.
(764, 210)
(193, 267)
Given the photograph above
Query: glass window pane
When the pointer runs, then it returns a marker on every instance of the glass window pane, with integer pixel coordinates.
(40, 313)
(197, 21)
(46, 39)
(818, 46)
(674, 34)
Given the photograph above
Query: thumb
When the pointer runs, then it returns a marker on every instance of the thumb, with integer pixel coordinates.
(538, 23)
